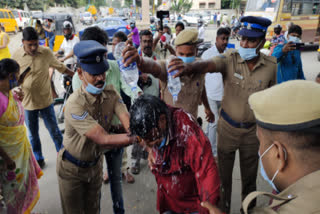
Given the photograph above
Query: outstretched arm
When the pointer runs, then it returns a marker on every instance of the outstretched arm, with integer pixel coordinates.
(145, 65)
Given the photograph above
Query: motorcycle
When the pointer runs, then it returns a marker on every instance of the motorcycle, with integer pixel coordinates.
(60, 102)
(234, 33)
(202, 47)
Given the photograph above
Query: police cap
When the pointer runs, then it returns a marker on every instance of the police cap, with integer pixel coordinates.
(91, 56)
(254, 27)
(289, 106)
(187, 37)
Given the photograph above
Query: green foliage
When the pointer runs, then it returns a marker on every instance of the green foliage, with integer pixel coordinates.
(41, 4)
(230, 4)
(181, 6)
(99, 3)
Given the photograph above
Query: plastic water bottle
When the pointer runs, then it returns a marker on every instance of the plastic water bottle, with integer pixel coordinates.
(130, 74)
(174, 84)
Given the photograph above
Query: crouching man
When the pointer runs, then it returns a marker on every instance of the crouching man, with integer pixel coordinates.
(180, 156)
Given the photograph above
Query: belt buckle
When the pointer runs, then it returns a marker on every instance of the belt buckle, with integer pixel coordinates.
(243, 125)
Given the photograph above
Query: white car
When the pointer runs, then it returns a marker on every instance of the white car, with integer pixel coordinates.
(22, 18)
(192, 19)
(86, 18)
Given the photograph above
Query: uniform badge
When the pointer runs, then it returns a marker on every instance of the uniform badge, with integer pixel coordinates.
(98, 59)
(238, 76)
(81, 117)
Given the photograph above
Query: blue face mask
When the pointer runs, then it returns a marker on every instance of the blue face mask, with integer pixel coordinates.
(94, 90)
(13, 83)
(187, 59)
(263, 172)
(248, 53)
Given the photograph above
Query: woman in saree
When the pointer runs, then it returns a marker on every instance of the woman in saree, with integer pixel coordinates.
(20, 174)
(4, 41)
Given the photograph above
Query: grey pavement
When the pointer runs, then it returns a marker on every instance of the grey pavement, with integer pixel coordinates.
(140, 197)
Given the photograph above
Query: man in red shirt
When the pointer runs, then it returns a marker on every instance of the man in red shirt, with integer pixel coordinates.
(180, 156)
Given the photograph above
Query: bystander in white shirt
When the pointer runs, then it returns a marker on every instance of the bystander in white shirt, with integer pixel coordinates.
(67, 46)
(213, 81)
(201, 32)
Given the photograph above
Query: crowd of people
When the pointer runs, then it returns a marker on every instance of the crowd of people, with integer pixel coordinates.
(259, 105)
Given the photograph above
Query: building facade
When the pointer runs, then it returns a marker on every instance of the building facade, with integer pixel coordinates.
(206, 5)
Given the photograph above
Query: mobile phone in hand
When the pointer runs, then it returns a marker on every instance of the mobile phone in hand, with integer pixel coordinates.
(299, 45)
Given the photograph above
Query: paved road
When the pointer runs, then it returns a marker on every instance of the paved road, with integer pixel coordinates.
(140, 197)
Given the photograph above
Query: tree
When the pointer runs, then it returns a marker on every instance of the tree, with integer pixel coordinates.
(181, 6)
(230, 4)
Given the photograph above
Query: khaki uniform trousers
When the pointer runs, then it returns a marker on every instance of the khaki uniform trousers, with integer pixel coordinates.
(231, 139)
(80, 188)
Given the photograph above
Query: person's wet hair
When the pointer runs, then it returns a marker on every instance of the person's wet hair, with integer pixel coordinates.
(121, 35)
(8, 66)
(29, 34)
(145, 114)
(95, 33)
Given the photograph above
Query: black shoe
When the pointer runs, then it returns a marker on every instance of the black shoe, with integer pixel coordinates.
(135, 168)
(41, 163)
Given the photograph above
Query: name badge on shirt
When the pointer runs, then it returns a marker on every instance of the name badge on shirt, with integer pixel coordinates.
(238, 76)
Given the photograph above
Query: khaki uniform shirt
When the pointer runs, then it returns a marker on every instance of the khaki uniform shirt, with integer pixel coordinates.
(190, 95)
(83, 112)
(240, 82)
(301, 197)
(37, 84)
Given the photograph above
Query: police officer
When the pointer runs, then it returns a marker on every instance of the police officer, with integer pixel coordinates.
(288, 129)
(192, 87)
(244, 72)
(88, 115)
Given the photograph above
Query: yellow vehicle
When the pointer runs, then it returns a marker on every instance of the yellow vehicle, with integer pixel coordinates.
(300, 12)
(93, 10)
(8, 20)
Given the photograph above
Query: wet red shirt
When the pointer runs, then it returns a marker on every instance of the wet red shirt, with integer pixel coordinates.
(185, 170)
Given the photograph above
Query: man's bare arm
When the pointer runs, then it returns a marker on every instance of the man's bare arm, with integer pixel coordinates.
(125, 121)
(68, 56)
(197, 67)
(69, 72)
(209, 115)
(145, 65)
(98, 135)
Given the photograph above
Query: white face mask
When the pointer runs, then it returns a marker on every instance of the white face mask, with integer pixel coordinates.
(263, 172)
(294, 39)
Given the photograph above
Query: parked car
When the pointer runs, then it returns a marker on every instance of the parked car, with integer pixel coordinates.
(8, 20)
(111, 25)
(22, 18)
(192, 19)
(86, 18)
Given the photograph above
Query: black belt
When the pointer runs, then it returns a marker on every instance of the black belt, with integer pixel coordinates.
(235, 124)
(79, 163)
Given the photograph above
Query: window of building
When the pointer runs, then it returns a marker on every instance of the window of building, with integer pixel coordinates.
(202, 5)
(211, 5)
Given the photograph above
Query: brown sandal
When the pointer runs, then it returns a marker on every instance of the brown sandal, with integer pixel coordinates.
(128, 177)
